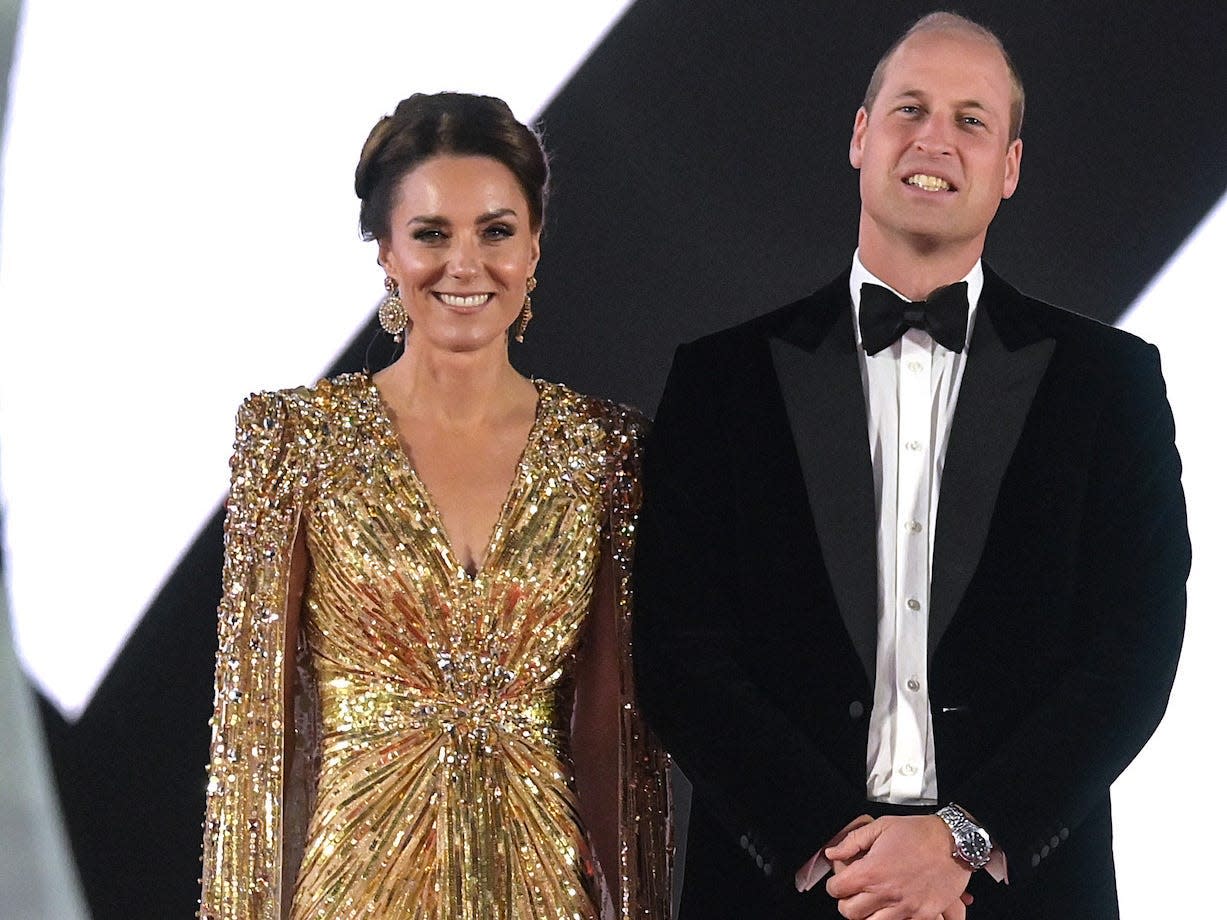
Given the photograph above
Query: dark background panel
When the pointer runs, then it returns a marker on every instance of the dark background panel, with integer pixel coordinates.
(701, 169)
(703, 177)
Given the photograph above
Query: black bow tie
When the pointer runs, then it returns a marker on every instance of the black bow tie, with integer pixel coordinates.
(885, 316)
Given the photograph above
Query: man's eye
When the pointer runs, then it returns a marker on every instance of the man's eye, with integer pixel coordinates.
(909, 109)
(972, 120)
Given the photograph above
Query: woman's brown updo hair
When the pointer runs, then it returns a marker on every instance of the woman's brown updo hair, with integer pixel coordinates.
(459, 124)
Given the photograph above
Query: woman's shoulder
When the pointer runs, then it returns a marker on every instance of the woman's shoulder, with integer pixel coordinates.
(615, 419)
(328, 396)
(325, 426)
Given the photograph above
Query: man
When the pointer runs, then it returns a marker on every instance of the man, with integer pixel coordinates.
(924, 561)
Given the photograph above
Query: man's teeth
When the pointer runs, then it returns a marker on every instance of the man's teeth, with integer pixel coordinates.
(929, 183)
(472, 300)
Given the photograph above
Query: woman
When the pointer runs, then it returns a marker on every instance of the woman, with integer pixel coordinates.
(444, 549)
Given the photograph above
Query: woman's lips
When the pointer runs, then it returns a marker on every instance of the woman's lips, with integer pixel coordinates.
(464, 301)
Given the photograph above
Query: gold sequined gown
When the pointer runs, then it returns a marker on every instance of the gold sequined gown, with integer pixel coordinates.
(432, 733)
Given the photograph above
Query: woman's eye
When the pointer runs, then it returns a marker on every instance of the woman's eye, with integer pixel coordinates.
(499, 231)
(428, 235)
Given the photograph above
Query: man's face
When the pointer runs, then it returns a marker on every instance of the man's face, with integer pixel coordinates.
(934, 153)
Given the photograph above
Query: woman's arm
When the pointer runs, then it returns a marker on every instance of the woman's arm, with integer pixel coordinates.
(295, 778)
(595, 726)
(295, 585)
(241, 873)
(617, 756)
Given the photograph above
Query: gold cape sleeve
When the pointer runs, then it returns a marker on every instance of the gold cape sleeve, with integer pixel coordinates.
(242, 862)
(645, 834)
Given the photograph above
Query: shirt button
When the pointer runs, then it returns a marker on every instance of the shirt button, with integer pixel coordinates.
(913, 684)
(913, 604)
(908, 769)
(915, 366)
(912, 527)
(912, 445)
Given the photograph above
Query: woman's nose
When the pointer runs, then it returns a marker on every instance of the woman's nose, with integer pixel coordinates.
(462, 261)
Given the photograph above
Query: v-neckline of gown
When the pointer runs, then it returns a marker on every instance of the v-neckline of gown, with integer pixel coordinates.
(442, 537)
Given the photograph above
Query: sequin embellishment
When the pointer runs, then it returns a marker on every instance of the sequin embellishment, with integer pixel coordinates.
(442, 786)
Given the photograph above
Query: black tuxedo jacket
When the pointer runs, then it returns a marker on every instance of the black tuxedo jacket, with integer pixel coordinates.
(1056, 610)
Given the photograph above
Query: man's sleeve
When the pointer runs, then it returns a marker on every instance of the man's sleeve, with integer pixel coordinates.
(1035, 789)
(752, 767)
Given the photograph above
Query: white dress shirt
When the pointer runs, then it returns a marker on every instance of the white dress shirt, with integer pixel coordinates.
(911, 389)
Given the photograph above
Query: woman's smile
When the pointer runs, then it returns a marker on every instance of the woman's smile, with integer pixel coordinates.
(464, 302)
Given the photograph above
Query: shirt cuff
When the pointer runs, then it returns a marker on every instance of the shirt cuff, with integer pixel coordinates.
(813, 872)
(997, 867)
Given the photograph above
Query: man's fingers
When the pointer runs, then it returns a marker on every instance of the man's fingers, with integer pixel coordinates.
(851, 881)
(887, 913)
(841, 865)
(855, 841)
(848, 828)
(861, 907)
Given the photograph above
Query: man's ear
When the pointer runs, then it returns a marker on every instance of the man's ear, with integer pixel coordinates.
(1013, 167)
(856, 147)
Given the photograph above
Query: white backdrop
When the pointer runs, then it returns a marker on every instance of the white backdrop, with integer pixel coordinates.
(179, 228)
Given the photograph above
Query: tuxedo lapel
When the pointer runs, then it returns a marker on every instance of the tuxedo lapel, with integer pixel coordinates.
(1006, 360)
(820, 380)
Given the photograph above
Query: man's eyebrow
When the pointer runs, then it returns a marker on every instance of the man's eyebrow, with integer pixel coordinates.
(921, 96)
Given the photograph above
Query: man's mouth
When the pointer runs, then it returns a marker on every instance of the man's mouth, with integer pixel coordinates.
(929, 183)
(463, 300)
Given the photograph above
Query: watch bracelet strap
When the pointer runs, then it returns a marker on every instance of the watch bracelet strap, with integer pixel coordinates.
(956, 819)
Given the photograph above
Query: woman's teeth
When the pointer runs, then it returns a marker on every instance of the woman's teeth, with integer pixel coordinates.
(470, 300)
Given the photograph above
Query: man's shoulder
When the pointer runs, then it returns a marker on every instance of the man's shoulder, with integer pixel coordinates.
(1076, 334)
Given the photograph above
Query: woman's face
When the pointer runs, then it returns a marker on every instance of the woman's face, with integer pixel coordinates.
(461, 248)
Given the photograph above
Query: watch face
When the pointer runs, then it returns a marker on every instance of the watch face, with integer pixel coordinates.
(975, 846)
(971, 841)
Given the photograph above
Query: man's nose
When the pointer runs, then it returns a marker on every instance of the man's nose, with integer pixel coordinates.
(936, 136)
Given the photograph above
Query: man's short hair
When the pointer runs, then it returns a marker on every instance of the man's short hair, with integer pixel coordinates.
(943, 21)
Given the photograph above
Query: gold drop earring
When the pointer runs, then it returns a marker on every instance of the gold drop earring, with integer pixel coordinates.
(392, 315)
(526, 311)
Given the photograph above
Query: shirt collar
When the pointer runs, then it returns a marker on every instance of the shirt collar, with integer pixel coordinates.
(861, 275)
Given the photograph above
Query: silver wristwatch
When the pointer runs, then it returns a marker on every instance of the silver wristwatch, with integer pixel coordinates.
(972, 844)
